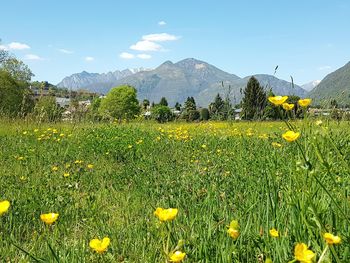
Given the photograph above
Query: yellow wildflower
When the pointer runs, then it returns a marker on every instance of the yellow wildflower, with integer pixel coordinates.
(274, 232)
(166, 214)
(66, 174)
(318, 122)
(287, 106)
(90, 166)
(49, 218)
(331, 239)
(233, 229)
(290, 136)
(204, 146)
(4, 207)
(276, 144)
(278, 100)
(54, 168)
(36, 130)
(100, 246)
(304, 102)
(129, 146)
(303, 254)
(177, 256)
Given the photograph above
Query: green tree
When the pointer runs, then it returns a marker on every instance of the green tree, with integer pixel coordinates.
(190, 104)
(15, 98)
(46, 109)
(120, 103)
(204, 114)
(145, 104)
(17, 69)
(193, 115)
(163, 102)
(254, 100)
(271, 111)
(177, 106)
(162, 113)
(216, 108)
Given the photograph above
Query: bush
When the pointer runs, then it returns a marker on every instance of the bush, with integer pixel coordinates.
(193, 115)
(162, 113)
(46, 109)
(204, 114)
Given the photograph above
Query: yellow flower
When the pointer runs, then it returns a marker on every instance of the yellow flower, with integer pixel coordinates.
(100, 246)
(166, 214)
(303, 254)
(49, 218)
(276, 144)
(233, 229)
(290, 136)
(129, 146)
(274, 232)
(78, 162)
(304, 102)
(90, 166)
(287, 106)
(331, 239)
(204, 146)
(54, 168)
(318, 122)
(177, 256)
(278, 100)
(4, 207)
(36, 130)
(66, 174)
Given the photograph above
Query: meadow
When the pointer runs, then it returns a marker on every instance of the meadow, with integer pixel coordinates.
(107, 180)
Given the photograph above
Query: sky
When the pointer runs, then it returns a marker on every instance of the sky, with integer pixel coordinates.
(307, 39)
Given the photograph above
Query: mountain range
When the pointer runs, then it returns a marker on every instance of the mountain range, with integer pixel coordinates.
(335, 85)
(177, 81)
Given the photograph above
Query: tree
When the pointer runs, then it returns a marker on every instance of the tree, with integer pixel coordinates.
(271, 111)
(204, 114)
(162, 113)
(17, 69)
(163, 102)
(190, 104)
(15, 97)
(120, 103)
(216, 108)
(145, 104)
(254, 100)
(177, 106)
(193, 115)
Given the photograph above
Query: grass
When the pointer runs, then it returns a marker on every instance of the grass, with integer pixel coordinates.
(212, 172)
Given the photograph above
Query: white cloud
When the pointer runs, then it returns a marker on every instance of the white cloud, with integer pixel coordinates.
(126, 55)
(89, 59)
(162, 23)
(18, 46)
(144, 56)
(324, 67)
(3, 47)
(32, 57)
(159, 37)
(65, 51)
(146, 45)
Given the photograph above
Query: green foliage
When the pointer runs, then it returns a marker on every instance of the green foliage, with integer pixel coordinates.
(193, 115)
(145, 104)
(177, 106)
(15, 97)
(163, 102)
(46, 109)
(254, 101)
(217, 108)
(190, 104)
(204, 114)
(17, 69)
(162, 113)
(120, 103)
(271, 112)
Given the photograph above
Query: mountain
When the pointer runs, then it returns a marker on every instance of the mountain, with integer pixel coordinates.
(189, 77)
(311, 85)
(335, 85)
(95, 81)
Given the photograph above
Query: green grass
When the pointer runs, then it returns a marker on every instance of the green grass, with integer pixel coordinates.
(212, 172)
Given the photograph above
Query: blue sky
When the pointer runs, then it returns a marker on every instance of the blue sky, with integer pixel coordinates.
(307, 39)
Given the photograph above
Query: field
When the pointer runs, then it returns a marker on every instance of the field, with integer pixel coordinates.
(106, 180)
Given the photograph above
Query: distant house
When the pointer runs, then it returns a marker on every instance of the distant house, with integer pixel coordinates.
(238, 114)
(63, 102)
